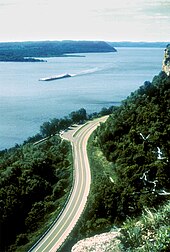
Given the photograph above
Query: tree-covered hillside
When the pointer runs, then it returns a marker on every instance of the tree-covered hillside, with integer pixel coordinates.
(130, 163)
(20, 51)
(136, 139)
(34, 182)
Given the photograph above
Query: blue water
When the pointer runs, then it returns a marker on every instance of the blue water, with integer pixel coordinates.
(101, 80)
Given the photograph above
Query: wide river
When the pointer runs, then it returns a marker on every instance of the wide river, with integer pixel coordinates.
(101, 80)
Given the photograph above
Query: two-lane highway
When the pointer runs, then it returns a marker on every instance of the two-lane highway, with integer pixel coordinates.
(81, 187)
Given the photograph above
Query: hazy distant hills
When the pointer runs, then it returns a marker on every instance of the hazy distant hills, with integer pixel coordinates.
(30, 51)
(27, 51)
(138, 44)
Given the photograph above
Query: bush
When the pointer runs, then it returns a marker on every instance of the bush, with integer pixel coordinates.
(151, 232)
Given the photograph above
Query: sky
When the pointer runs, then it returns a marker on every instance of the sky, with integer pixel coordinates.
(107, 20)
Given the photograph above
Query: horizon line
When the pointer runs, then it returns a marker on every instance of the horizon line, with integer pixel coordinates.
(76, 40)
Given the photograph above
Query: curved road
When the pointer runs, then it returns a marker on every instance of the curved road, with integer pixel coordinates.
(82, 179)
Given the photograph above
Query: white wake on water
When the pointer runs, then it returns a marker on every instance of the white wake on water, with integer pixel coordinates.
(91, 70)
(88, 71)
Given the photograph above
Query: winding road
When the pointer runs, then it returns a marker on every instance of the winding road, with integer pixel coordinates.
(55, 237)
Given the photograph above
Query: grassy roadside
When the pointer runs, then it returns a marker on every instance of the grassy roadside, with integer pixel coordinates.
(99, 165)
(100, 168)
(149, 232)
(59, 204)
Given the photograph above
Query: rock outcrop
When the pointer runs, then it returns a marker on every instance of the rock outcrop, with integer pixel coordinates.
(166, 61)
(99, 243)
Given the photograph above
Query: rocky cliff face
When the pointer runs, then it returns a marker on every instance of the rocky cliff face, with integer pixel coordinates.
(166, 61)
(99, 243)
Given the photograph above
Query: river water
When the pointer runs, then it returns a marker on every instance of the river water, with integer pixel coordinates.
(101, 80)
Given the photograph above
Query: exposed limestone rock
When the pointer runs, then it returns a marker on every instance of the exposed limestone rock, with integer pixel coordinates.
(166, 61)
(99, 243)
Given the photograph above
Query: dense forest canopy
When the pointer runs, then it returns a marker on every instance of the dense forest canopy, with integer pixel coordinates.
(130, 164)
(136, 139)
(33, 179)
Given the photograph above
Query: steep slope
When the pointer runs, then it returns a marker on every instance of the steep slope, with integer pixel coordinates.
(136, 138)
(166, 61)
(136, 141)
(150, 232)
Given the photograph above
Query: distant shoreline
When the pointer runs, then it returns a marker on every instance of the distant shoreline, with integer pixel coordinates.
(20, 59)
(32, 60)
(138, 44)
(32, 51)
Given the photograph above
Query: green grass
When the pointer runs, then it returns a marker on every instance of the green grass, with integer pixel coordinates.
(99, 167)
(151, 232)
(98, 163)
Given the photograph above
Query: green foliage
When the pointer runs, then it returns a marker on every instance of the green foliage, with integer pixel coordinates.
(21, 239)
(28, 176)
(55, 125)
(35, 179)
(60, 187)
(78, 116)
(151, 232)
(101, 205)
(131, 138)
(131, 157)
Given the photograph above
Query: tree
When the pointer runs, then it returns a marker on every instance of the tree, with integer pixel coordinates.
(78, 116)
(46, 129)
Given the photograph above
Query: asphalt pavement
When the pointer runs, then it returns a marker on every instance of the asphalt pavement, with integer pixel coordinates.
(54, 238)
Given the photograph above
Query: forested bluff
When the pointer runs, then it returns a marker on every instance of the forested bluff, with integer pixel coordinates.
(132, 197)
(31, 51)
(135, 141)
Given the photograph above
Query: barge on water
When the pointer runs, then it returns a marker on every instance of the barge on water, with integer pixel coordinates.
(56, 77)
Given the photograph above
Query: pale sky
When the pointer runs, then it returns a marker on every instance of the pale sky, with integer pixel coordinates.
(108, 20)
